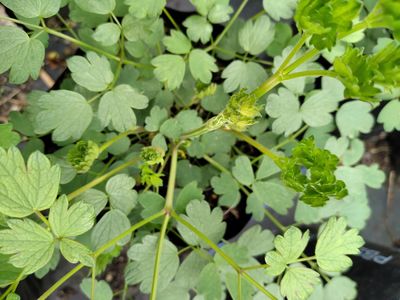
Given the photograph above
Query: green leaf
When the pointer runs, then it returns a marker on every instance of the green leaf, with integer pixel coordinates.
(72, 221)
(93, 72)
(8, 137)
(219, 13)
(30, 244)
(65, 113)
(151, 202)
(150, 31)
(228, 189)
(243, 170)
(110, 226)
(209, 284)
(267, 168)
(298, 283)
(156, 118)
(95, 198)
(386, 14)
(274, 194)
(354, 153)
(8, 273)
(101, 7)
(239, 74)
(120, 191)
(256, 240)
(190, 192)
(198, 29)
(116, 106)
(335, 243)
(13, 296)
(26, 189)
(317, 107)
(33, 8)
(256, 36)
(169, 69)
(189, 270)
(188, 120)
(107, 34)
(177, 43)
(19, 53)
(202, 65)
(217, 102)
(144, 254)
(283, 9)
(289, 247)
(340, 288)
(354, 110)
(102, 289)
(171, 128)
(75, 252)
(325, 20)
(199, 214)
(149, 8)
(389, 116)
(283, 35)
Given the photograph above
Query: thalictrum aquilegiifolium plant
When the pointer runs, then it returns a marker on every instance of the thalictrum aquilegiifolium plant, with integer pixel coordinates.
(153, 115)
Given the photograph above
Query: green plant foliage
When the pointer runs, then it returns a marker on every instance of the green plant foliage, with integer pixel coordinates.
(8, 137)
(83, 155)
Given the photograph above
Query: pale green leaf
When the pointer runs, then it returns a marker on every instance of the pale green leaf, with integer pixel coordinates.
(169, 69)
(26, 189)
(33, 8)
(93, 72)
(110, 226)
(177, 43)
(256, 35)
(190, 192)
(151, 203)
(337, 146)
(29, 243)
(66, 113)
(298, 283)
(50, 266)
(389, 116)
(219, 13)
(340, 288)
(107, 34)
(75, 252)
(188, 120)
(239, 74)
(144, 254)
(209, 284)
(8, 273)
(116, 106)
(256, 240)
(288, 247)
(274, 194)
(335, 243)
(149, 31)
(102, 290)
(317, 107)
(171, 128)
(121, 193)
(189, 270)
(199, 214)
(202, 65)
(354, 153)
(198, 29)
(228, 189)
(101, 7)
(8, 137)
(70, 221)
(354, 110)
(282, 9)
(95, 198)
(156, 118)
(149, 8)
(243, 170)
(267, 168)
(22, 55)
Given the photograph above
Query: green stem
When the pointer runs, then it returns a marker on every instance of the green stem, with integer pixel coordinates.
(364, 24)
(196, 132)
(115, 19)
(256, 267)
(8, 291)
(242, 57)
(94, 98)
(171, 19)
(228, 26)
(306, 57)
(69, 28)
(290, 138)
(274, 220)
(227, 258)
(93, 286)
(116, 138)
(268, 85)
(307, 258)
(256, 145)
(76, 42)
(216, 164)
(172, 178)
(42, 218)
(100, 179)
(292, 53)
(310, 73)
(239, 284)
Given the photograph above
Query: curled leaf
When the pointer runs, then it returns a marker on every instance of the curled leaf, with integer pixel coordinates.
(82, 155)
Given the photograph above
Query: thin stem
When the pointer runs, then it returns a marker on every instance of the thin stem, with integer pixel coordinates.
(94, 98)
(171, 19)
(308, 258)
(100, 179)
(364, 24)
(227, 258)
(196, 132)
(239, 283)
(256, 145)
(292, 53)
(67, 26)
(93, 285)
(120, 63)
(306, 57)
(256, 267)
(268, 85)
(118, 137)
(76, 42)
(310, 73)
(116, 20)
(291, 138)
(172, 178)
(8, 291)
(274, 220)
(228, 26)
(216, 164)
(242, 57)
(42, 218)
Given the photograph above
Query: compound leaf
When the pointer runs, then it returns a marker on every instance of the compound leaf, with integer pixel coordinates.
(177, 43)
(228, 189)
(72, 221)
(202, 65)
(169, 69)
(29, 243)
(335, 243)
(256, 36)
(66, 113)
(199, 214)
(26, 189)
(198, 29)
